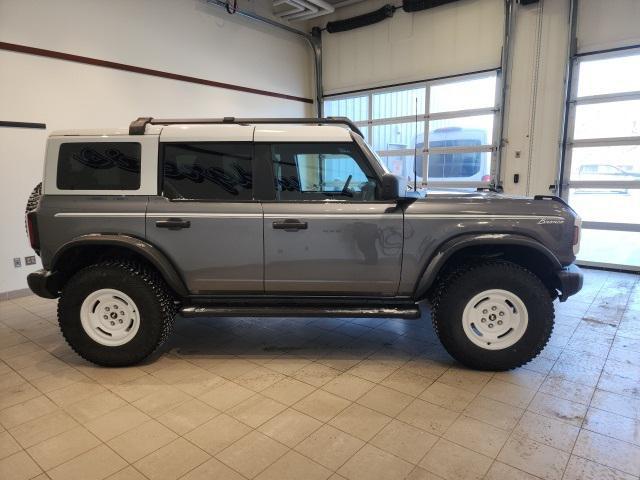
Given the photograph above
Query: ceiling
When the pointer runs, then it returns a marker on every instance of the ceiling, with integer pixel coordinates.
(301, 10)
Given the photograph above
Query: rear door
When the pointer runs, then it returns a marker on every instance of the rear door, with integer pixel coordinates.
(205, 218)
(325, 231)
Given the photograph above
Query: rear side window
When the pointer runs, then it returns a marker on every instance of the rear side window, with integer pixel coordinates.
(99, 166)
(207, 171)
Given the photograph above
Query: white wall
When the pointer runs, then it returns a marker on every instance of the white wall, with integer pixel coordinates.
(535, 97)
(607, 24)
(456, 38)
(535, 100)
(186, 37)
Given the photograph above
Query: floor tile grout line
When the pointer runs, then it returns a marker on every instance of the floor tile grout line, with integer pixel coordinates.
(378, 383)
(591, 401)
(529, 404)
(352, 402)
(594, 390)
(25, 450)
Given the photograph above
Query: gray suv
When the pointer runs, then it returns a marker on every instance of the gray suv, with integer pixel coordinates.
(284, 217)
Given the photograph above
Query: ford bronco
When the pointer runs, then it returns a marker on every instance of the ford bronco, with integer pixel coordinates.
(284, 217)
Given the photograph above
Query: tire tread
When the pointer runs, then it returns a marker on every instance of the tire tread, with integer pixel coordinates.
(159, 290)
(448, 283)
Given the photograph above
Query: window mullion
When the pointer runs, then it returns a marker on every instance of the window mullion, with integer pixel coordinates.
(425, 143)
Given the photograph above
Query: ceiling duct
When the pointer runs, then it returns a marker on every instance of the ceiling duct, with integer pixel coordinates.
(363, 20)
(299, 10)
(418, 5)
(381, 14)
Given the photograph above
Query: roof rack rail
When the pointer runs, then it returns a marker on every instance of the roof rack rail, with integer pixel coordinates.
(138, 126)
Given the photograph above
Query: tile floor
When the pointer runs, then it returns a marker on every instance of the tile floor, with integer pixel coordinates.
(326, 398)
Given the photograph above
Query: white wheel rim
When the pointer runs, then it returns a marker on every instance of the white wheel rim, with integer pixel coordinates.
(110, 317)
(495, 319)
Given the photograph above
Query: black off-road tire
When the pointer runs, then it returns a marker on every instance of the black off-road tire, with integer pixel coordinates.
(453, 293)
(145, 287)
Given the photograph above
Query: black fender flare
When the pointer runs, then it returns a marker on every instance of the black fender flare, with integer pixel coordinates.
(150, 253)
(449, 247)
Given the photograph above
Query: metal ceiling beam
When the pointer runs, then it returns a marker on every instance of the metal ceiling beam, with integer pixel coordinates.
(504, 83)
(561, 181)
(314, 42)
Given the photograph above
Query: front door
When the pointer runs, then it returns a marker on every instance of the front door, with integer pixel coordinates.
(206, 220)
(325, 231)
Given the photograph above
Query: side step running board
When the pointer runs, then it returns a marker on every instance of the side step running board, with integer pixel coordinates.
(407, 312)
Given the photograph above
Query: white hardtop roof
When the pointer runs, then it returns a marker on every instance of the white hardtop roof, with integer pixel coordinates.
(301, 133)
(226, 133)
(102, 132)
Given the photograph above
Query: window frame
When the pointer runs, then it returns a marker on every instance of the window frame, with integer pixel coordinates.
(573, 101)
(426, 116)
(148, 167)
(161, 161)
(267, 181)
(105, 189)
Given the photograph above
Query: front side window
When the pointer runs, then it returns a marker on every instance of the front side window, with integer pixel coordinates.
(99, 166)
(320, 171)
(207, 171)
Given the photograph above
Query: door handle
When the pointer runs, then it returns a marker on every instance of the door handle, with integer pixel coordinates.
(173, 223)
(290, 225)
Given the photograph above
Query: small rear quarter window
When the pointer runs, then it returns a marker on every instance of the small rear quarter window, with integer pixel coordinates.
(99, 166)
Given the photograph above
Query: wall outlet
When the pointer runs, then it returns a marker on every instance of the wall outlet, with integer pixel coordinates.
(17, 263)
(30, 260)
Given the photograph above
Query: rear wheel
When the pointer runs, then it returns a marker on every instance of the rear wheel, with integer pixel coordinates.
(493, 315)
(115, 313)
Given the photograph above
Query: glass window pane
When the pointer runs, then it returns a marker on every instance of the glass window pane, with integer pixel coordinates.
(460, 167)
(320, 171)
(595, 246)
(208, 171)
(463, 95)
(365, 132)
(608, 164)
(617, 205)
(327, 172)
(609, 75)
(399, 103)
(403, 166)
(99, 166)
(355, 108)
(461, 132)
(606, 120)
(397, 136)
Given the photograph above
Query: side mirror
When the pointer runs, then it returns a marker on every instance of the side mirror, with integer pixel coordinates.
(393, 187)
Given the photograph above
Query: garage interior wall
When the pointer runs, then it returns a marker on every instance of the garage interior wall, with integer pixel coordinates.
(606, 25)
(466, 36)
(186, 37)
(535, 96)
(460, 37)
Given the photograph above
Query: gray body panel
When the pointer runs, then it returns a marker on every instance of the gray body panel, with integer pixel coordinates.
(433, 221)
(346, 249)
(222, 250)
(361, 249)
(63, 218)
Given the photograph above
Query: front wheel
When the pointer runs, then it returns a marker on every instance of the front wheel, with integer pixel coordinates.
(115, 313)
(493, 315)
